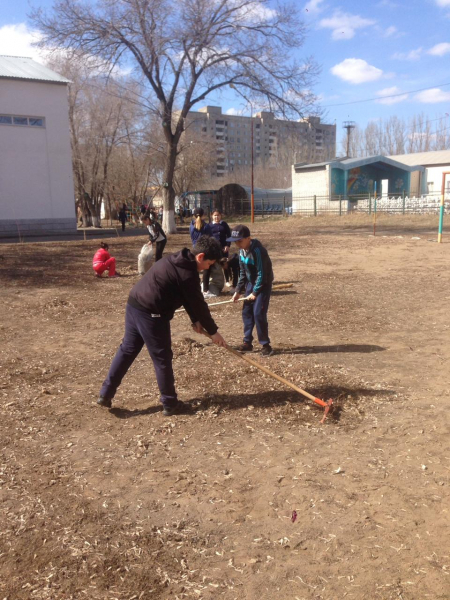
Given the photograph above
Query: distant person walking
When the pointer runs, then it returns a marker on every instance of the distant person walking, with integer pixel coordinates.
(103, 261)
(123, 216)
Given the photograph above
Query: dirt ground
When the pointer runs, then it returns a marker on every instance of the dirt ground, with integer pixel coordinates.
(127, 504)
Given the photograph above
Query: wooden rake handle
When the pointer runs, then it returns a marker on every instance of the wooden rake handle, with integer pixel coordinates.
(247, 359)
(280, 286)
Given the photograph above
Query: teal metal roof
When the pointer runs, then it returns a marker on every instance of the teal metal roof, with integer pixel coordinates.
(22, 67)
(351, 163)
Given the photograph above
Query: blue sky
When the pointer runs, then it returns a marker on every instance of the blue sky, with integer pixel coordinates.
(383, 51)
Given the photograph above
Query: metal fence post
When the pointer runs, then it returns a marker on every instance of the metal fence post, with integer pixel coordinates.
(315, 205)
(284, 206)
(370, 203)
(340, 205)
(404, 201)
(262, 208)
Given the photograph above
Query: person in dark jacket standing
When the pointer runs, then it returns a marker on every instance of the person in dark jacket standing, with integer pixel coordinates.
(171, 283)
(255, 277)
(156, 234)
(198, 227)
(220, 230)
(123, 216)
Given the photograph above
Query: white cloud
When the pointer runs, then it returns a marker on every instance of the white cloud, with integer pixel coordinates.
(356, 70)
(440, 49)
(313, 6)
(17, 40)
(411, 55)
(233, 111)
(390, 31)
(394, 93)
(344, 25)
(433, 96)
(443, 3)
(387, 4)
(253, 11)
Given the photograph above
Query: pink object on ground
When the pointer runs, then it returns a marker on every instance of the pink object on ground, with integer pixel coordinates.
(108, 265)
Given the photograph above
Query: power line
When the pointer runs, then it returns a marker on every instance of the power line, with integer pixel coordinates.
(383, 97)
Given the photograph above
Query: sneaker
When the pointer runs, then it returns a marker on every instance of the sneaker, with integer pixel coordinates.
(231, 289)
(267, 350)
(245, 347)
(106, 402)
(178, 408)
(228, 284)
(208, 295)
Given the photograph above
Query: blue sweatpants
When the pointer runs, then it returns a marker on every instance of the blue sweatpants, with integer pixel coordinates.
(141, 328)
(255, 313)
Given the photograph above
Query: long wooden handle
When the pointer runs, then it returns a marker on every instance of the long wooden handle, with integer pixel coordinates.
(280, 286)
(274, 375)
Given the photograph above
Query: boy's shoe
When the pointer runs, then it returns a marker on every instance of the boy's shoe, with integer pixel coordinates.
(178, 408)
(267, 350)
(208, 295)
(106, 402)
(245, 347)
(228, 284)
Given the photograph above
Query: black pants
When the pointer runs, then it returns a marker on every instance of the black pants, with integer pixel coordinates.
(159, 249)
(232, 273)
(141, 328)
(123, 225)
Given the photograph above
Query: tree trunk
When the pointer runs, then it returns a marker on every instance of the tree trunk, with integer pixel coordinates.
(169, 224)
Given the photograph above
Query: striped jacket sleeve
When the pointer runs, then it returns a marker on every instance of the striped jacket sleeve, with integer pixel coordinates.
(259, 263)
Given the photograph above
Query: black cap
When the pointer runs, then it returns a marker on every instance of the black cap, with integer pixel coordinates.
(199, 212)
(238, 233)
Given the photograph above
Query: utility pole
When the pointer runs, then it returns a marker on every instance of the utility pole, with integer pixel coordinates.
(348, 125)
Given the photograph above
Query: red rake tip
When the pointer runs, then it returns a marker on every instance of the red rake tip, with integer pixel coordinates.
(328, 406)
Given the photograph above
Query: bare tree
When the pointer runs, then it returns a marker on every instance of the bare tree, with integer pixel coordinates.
(398, 136)
(186, 50)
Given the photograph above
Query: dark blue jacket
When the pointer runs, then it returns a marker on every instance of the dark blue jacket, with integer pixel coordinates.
(255, 268)
(195, 233)
(221, 231)
(173, 282)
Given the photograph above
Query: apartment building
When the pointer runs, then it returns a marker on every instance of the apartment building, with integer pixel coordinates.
(276, 142)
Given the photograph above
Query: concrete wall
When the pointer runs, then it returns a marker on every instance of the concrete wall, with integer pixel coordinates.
(433, 176)
(310, 181)
(36, 184)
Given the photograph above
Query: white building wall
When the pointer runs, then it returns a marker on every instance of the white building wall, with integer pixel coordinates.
(36, 184)
(308, 183)
(434, 178)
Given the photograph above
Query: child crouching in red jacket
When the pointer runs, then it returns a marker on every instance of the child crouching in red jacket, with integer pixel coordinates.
(103, 261)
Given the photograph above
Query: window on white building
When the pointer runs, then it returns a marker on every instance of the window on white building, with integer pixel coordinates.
(22, 121)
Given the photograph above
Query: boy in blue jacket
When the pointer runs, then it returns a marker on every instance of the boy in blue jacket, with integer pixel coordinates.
(255, 277)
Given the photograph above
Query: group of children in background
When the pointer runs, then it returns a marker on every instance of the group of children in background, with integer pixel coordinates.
(228, 269)
(250, 271)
